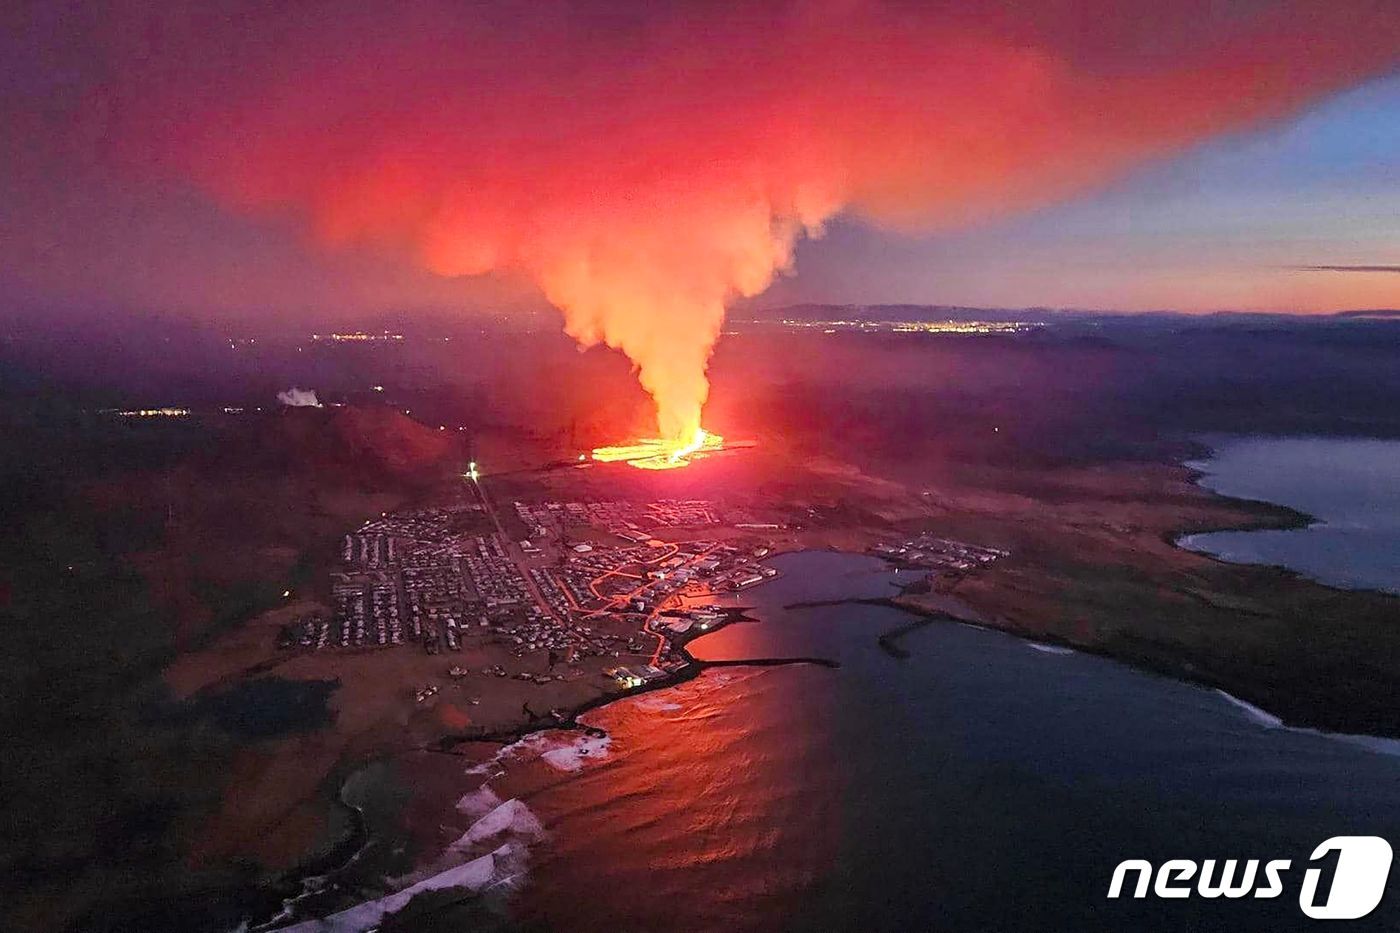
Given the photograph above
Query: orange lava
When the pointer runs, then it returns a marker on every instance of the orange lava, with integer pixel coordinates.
(657, 454)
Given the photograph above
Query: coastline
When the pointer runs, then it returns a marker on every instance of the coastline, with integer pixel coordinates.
(1267, 516)
(302, 882)
(890, 638)
(1291, 518)
(567, 720)
(323, 870)
(889, 642)
(1269, 635)
(1181, 671)
(1295, 711)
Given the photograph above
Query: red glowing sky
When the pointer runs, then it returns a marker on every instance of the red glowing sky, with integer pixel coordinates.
(619, 158)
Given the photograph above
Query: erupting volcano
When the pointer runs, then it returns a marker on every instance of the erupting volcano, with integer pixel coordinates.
(641, 168)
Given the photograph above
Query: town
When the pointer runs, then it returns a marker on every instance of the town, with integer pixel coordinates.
(590, 582)
(546, 591)
(941, 556)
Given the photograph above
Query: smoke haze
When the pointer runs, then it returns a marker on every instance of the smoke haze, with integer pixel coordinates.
(299, 398)
(644, 165)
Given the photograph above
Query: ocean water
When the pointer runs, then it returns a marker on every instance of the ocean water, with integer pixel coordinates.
(1350, 486)
(980, 784)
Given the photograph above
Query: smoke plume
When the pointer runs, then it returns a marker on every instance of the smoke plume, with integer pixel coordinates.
(646, 164)
(299, 398)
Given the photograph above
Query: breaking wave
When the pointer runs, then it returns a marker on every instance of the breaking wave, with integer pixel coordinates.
(1375, 743)
(479, 802)
(501, 866)
(493, 854)
(1049, 649)
(511, 819)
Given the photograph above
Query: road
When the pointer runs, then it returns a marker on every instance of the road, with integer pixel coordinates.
(512, 548)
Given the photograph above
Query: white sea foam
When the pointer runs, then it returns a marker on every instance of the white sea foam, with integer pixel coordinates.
(479, 802)
(1374, 743)
(490, 767)
(654, 703)
(511, 818)
(1266, 719)
(562, 751)
(1049, 649)
(508, 827)
(500, 866)
(576, 754)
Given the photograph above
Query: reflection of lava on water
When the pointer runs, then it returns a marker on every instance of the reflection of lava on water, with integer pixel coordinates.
(659, 454)
(720, 794)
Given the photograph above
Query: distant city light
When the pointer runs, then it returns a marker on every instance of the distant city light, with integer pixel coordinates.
(155, 413)
(357, 336)
(910, 327)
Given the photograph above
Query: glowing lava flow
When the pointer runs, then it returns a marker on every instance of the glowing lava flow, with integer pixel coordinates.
(657, 454)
